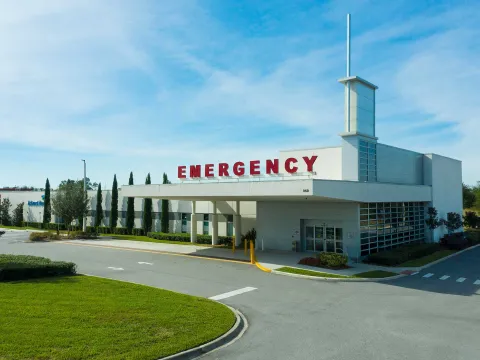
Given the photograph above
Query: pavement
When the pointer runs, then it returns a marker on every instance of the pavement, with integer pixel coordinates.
(414, 317)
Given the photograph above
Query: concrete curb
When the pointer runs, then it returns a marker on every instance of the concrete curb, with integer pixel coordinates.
(320, 278)
(226, 339)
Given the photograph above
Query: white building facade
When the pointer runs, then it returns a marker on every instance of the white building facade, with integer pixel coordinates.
(356, 198)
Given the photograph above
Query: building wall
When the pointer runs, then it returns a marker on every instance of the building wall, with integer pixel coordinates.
(327, 166)
(247, 210)
(445, 176)
(278, 222)
(400, 166)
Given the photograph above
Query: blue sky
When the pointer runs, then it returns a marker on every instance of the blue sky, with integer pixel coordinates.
(145, 86)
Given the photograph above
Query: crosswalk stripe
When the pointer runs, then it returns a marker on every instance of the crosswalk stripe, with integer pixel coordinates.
(444, 277)
(461, 279)
(428, 275)
(476, 282)
(414, 273)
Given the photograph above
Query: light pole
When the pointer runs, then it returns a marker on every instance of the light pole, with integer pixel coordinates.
(85, 192)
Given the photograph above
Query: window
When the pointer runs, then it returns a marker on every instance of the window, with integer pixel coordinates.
(229, 225)
(367, 155)
(205, 224)
(384, 226)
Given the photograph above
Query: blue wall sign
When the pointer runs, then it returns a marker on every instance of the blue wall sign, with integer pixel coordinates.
(35, 203)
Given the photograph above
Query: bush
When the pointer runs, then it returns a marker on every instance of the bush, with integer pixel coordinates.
(36, 225)
(44, 236)
(104, 230)
(21, 267)
(473, 236)
(185, 237)
(402, 254)
(81, 235)
(310, 261)
(120, 231)
(138, 232)
(333, 260)
(455, 241)
(471, 219)
(250, 235)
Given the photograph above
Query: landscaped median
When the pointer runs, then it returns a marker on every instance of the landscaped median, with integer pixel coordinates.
(375, 274)
(83, 317)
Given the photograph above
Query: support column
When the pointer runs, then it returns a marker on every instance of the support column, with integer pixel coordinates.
(193, 223)
(237, 224)
(214, 224)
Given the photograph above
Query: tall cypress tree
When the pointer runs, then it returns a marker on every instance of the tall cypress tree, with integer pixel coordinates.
(147, 210)
(47, 206)
(130, 209)
(165, 228)
(114, 209)
(99, 208)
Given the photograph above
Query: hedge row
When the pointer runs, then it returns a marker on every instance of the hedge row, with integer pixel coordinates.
(21, 267)
(326, 260)
(402, 254)
(185, 237)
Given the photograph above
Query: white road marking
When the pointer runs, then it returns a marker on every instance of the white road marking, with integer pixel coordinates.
(115, 268)
(415, 273)
(146, 263)
(444, 277)
(460, 279)
(428, 275)
(232, 293)
(476, 282)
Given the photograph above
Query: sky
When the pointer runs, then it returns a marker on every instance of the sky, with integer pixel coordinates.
(145, 86)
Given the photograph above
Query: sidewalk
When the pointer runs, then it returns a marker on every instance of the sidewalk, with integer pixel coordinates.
(270, 259)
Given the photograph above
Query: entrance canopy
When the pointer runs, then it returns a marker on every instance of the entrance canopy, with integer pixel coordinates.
(288, 190)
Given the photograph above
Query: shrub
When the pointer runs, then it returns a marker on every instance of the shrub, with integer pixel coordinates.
(455, 241)
(120, 231)
(44, 236)
(310, 261)
(36, 225)
(81, 235)
(473, 236)
(21, 267)
(402, 254)
(333, 260)
(250, 235)
(471, 219)
(104, 230)
(138, 232)
(453, 222)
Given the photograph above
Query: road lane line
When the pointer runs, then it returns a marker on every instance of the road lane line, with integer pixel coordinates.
(115, 268)
(476, 282)
(428, 275)
(145, 263)
(460, 279)
(232, 293)
(444, 277)
(414, 273)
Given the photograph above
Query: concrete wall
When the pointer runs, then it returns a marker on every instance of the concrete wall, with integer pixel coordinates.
(327, 166)
(350, 158)
(445, 176)
(278, 222)
(400, 166)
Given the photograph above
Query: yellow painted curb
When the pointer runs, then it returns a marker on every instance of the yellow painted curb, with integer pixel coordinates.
(263, 268)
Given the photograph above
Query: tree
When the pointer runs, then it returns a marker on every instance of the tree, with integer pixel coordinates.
(147, 210)
(130, 209)
(90, 185)
(471, 219)
(99, 207)
(47, 206)
(165, 213)
(453, 222)
(468, 196)
(432, 221)
(70, 202)
(5, 218)
(18, 215)
(114, 209)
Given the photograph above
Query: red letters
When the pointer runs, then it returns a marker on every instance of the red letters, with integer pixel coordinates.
(288, 165)
(223, 169)
(272, 166)
(182, 172)
(209, 170)
(195, 171)
(238, 168)
(310, 162)
(255, 167)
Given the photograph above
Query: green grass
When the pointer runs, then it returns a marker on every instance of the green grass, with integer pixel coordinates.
(147, 239)
(81, 317)
(365, 275)
(427, 259)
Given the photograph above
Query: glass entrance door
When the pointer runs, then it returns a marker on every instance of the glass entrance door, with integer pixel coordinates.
(319, 238)
(323, 237)
(310, 238)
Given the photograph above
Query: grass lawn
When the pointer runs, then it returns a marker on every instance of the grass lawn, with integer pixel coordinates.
(427, 259)
(365, 275)
(81, 317)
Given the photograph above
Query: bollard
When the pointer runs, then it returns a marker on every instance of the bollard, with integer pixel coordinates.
(252, 253)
